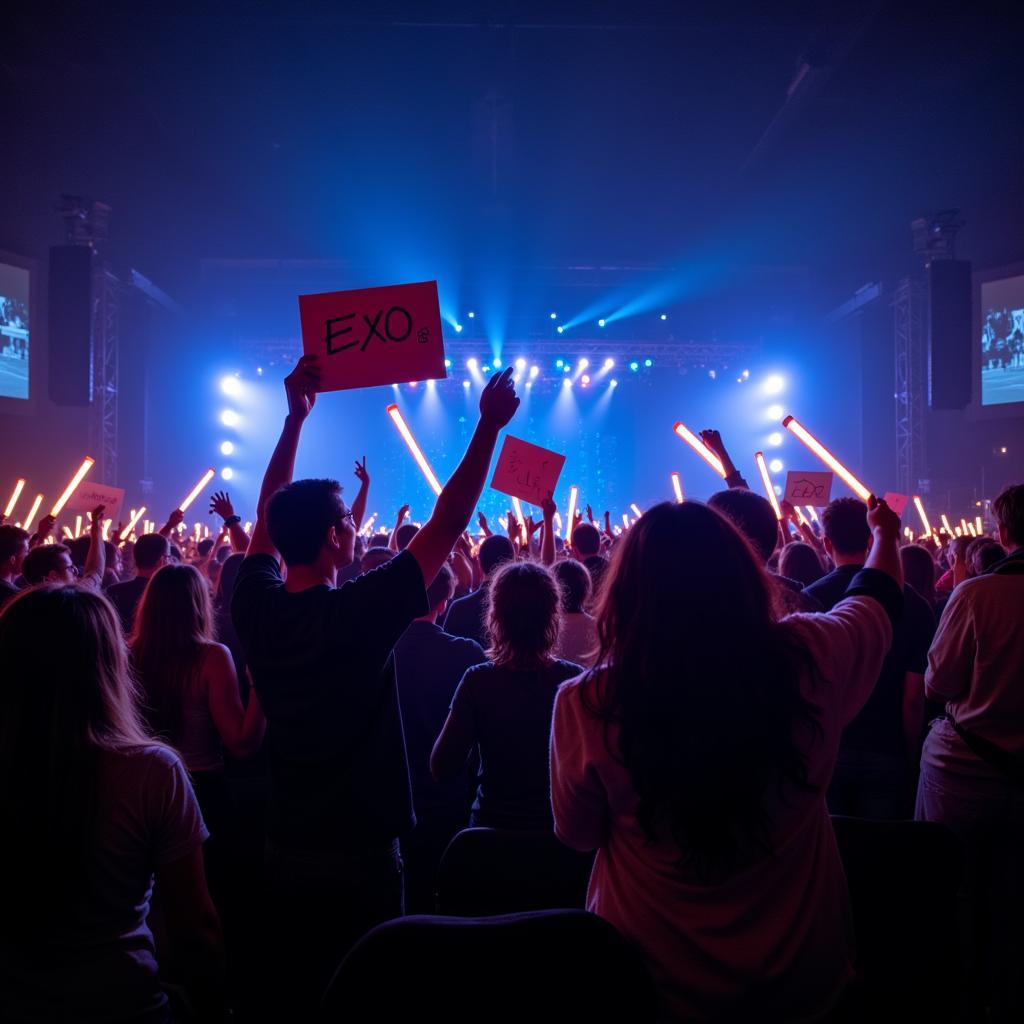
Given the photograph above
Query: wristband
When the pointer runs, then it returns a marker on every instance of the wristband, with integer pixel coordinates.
(231, 520)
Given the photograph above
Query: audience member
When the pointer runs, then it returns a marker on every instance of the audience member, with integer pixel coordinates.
(972, 765)
(919, 572)
(428, 665)
(577, 633)
(101, 810)
(52, 563)
(152, 550)
(875, 771)
(982, 554)
(585, 546)
(800, 562)
(503, 708)
(13, 549)
(467, 616)
(375, 557)
(696, 757)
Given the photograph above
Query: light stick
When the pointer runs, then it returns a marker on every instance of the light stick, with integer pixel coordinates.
(790, 423)
(918, 504)
(78, 526)
(625, 520)
(137, 514)
(503, 522)
(521, 519)
(636, 509)
(197, 490)
(958, 531)
(574, 494)
(977, 523)
(800, 516)
(68, 533)
(677, 486)
(87, 463)
(396, 417)
(206, 531)
(558, 520)
(32, 511)
(248, 525)
(945, 523)
(762, 468)
(18, 488)
(811, 512)
(963, 524)
(198, 528)
(971, 530)
(700, 448)
(617, 530)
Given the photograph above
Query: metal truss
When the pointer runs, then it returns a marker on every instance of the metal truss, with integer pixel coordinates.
(910, 385)
(105, 332)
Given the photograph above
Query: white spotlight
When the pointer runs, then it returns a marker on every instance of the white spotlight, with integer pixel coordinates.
(774, 383)
(613, 383)
(609, 363)
(229, 418)
(774, 412)
(231, 386)
(465, 383)
(583, 363)
(227, 472)
(600, 323)
(775, 438)
(458, 328)
(775, 465)
(534, 370)
(520, 363)
(227, 448)
(472, 363)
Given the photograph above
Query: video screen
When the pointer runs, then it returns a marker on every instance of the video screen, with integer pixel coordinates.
(14, 340)
(1002, 341)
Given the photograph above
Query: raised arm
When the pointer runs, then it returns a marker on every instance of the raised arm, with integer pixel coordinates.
(359, 505)
(300, 386)
(174, 520)
(399, 519)
(713, 442)
(96, 559)
(458, 498)
(220, 504)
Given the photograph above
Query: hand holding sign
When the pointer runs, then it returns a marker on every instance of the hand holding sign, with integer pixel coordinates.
(808, 488)
(526, 470)
(88, 495)
(372, 336)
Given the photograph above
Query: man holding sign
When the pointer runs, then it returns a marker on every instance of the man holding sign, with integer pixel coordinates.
(322, 665)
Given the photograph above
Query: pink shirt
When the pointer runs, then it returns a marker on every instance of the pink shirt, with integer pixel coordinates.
(774, 938)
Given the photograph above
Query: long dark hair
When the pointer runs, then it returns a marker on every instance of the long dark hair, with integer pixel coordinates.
(703, 683)
(66, 697)
(173, 628)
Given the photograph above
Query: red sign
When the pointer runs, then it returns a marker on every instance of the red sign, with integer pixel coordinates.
(526, 470)
(897, 502)
(373, 336)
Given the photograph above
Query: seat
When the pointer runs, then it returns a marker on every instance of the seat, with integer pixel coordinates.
(500, 871)
(548, 965)
(904, 879)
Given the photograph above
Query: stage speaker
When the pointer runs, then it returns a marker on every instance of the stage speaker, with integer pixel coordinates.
(950, 366)
(71, 343)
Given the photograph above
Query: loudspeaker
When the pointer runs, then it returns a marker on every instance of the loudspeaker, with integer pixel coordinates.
(72, 272)
(950, 366)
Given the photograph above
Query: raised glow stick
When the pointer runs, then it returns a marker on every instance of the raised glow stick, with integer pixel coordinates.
(87, 463)
(945, 523)
(68, 533)
(792, 424)
(574, 494)
(32, 512)
(918, 504)
(503, 522)
(800, 516)
(520, 518)
(963, 524)
(197, 490)
(636, 509)
(677, 486)
(977, 523)
(78, 526)
(248, 525)
(106, 528)
(700, 448)
(908, 533)
(197, 529)
(971, 530)
(762, 468)
(558, 520)
(625, 520)
(18, 488)
(137, 514)
(396, 417)
(206, 531)
(811, 512)
(958, 531)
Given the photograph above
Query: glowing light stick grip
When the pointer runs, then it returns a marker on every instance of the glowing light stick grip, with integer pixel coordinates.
(574, 495)
(87, 464)
(700, 448)
(520, 519)
(677, 486)
(396, 417)
(921, 512)
(137, 514)
(793, 425)
(769, 490)
(197, 490)
(636, 509)
(32, 511)
(18, 488)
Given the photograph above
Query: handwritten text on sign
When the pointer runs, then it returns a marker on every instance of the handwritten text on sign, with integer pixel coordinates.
(808, 488)
(87, 496)
(526, 471)
(374, 336)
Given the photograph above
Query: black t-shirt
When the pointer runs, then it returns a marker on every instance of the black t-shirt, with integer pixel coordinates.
(125, 597)
(511, 711)
(879, 726)
(323, 670)
(466, 617)
(430, 664)
(7, 591)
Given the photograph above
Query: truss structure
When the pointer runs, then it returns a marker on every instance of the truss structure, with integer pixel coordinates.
(910, 385)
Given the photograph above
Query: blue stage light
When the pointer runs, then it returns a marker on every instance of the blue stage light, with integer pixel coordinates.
(227, 472)
(664, 316)
(600, 323)
(554, 316)
(559, 363)
(775, 438)
(447, 364)
(471, 363)
(648, 363)
(774, 383)
(634, 366)
(231, 386)
(613, 383)
(560, 329)
(471, 315)
(775, 465)
(227, 448)
(458, 328)
(229, 418)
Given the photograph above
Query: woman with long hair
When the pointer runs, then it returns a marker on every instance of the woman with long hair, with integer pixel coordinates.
(95, 810)
(695, 758)
(503, 707)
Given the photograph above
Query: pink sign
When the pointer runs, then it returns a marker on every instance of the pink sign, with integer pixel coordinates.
(808, 487)
(374, 336)
(897, 502)
(88, 495)
(526, 471)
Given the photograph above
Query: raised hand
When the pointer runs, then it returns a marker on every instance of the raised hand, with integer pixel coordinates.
(590, 514)
(46, 525)
(482, 521)
(499, 402)
(300, 386)
(175, 519)
(361, 474)
(548, 507)
(882, 520)
(220, 503)
(96, 521)
(402, 513)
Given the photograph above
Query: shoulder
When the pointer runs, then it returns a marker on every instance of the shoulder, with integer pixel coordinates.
(216, 656)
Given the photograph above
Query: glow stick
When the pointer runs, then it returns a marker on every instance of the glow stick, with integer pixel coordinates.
(68, 533)
(32, 512)
(18, 488)
(574, 494)
(106, 528)
(958, 531)
(636, 509)
(137, 514)
(520, 518)
(762, 468)
(945, 523)
(625, 520)
(197, 490)
(248, 525)
(977, 523)
(800, 516)
(827, 457)
(924, 518)
(87, 464)
(963, 524)
(396, 417)
(677, 486)
(78, 526)
(206, 531)
(197, 529)
(811, 512)
(617, 530)
(971, 530)
(908, 533)
(503, 522)
(558, 520)
(700, 448)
